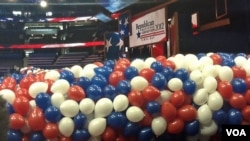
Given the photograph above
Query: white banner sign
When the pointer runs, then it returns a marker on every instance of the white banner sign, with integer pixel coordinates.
(148, 29)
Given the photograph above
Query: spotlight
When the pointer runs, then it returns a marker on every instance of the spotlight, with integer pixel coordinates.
(43, 3)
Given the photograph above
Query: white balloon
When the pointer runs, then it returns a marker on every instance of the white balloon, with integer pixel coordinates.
(165, 95)
(66, 126)
(76, 70)
(240, 60)
(134, 114)
(52, 75)
(209, 70)
(138, 64)
(57, 99)
(209, 130)
(225, 73)
(195, 65)
(215, 101)
(138, 83)
(206, 60)
(8, 95)
(92, 138)
(197, 77)
(32, 104)
(200, 97)
(175, 84)
(210, 84)
(120, 103)
(37, 87)
(88, 71)
(97, 126)
(103, 107)
(69, 108)
(149, 61)
(87, 106)
(60, 86)
(159, 125)
(204, 115)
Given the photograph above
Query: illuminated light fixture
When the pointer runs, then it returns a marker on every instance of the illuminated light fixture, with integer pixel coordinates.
(43, 3)
(17, 13)
(49, 14)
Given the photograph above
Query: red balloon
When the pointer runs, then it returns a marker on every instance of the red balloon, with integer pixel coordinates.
(50, 82)
(27, 81)
(217, 60)
(247, 96)
(17, 121)
(147, 119)
(169, 63)
(40, 76)
(246, 113)
(188, 99)
(50, 131)
(147, 73)
(160, 58)
(136, 98)
(99, 64)
(177, 98)
(76, 93)
(187, 113)
(168, 111)
(9, 83)
(25, 138)
(176, 126)
(120, 67)
(124, 61)
(115, 77)
(36, 119)
(108, 134)
(150, 93)
(22, 92)
(239, 72)
(247, 79)
(120, 138)
(238, 101)
(225, 89)
(65, 139)
(21, 105)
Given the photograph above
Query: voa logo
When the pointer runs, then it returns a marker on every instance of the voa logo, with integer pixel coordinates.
(236, 132)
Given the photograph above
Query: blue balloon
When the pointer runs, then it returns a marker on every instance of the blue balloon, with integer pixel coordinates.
(117, 120)
(192, 128)
(189, 86)
(83, 82)
(242, 54)
(131, 129)
(239, 85)
(110, 92)
(234, 117)
(153, 107)
(145, 134)
(123, 87)
(104, 70)
(168, 73)
(52, 114)
(228, 62)
(200, 55)
(182, 74)
(67, 75)
(99, 80)
(109, 63)
(10, 108)
(220, 117)
(157, 66)
(130, 72)
(14, 135)
(17, 77)
(80, 135)
(43, 100)
(94, 92)
(37, 136)
(159, 81)
(80, 120)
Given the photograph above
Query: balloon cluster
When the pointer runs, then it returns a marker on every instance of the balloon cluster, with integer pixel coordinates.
(183, 97)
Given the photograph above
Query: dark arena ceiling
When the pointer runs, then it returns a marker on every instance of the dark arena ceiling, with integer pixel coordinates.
(25, 21)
